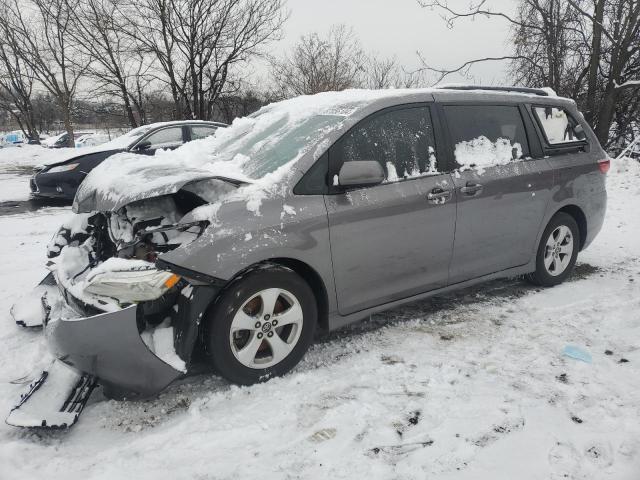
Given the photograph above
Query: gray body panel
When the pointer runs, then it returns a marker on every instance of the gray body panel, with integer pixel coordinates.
(496, 231)
(497, 227)
(294, 228)
(389, 242)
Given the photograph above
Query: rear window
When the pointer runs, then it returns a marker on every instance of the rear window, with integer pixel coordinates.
(498, 124)
(558, 125)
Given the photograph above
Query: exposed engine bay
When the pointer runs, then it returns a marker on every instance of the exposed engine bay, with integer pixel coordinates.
(106, 260)
(140, 230)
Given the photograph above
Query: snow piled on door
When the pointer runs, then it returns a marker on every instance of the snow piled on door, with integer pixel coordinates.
(481, 153)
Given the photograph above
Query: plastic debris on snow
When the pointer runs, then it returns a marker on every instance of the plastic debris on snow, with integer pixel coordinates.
(576, 353)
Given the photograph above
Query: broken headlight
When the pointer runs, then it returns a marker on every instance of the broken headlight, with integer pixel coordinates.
(129, 281)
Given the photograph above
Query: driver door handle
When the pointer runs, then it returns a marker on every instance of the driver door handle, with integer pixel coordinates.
(471, 188)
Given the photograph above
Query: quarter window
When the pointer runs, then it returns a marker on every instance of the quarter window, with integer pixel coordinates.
(401, 140)
(558, 125)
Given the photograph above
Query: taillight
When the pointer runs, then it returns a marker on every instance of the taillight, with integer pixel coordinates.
(604, 165)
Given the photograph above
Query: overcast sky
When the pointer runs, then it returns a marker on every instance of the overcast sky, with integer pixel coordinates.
(402, 27)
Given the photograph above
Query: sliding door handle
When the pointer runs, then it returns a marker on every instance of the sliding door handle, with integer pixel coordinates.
(471, 188)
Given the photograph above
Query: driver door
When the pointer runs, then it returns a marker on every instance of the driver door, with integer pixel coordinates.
(167, 138)
(393, 240)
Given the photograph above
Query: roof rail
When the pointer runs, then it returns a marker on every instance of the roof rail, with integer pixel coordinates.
(535, 91)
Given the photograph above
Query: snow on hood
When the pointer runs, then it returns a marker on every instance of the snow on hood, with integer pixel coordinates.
(122, 181)
(260, 149)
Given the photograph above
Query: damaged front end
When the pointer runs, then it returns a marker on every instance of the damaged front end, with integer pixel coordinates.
(109, 312)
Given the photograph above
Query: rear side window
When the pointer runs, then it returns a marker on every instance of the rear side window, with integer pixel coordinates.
(558, 125)
(199, 132)
(401, 140)
(486, 135)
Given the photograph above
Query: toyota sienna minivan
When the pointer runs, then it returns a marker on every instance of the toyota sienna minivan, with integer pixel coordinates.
(310, 214)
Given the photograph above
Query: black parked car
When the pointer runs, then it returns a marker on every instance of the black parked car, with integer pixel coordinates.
(61, 141)
(61, 180)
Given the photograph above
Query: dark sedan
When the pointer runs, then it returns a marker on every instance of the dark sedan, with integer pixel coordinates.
(61, 180)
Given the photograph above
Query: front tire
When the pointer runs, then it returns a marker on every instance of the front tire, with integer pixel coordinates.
(261, 325)
(557, 252)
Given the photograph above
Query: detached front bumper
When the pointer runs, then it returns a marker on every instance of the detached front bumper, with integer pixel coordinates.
(109, 347)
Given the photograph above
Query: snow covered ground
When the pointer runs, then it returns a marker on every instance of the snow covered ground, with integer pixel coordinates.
(16, 165)
(471, 385)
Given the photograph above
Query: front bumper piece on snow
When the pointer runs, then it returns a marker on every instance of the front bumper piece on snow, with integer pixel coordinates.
(106, 348)
(109, 347)
(54, 400)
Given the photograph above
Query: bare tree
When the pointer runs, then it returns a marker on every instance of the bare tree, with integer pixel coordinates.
(197, 43)
(619, 64)
(140, 90)
(118, 68)
(16, 85)
(381, 72)
(319, 64)
(585, 49)
(239, 104)
(41, 29)
(388, 73)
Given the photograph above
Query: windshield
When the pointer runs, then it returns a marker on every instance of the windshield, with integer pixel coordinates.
(124, 141)
(265, 142)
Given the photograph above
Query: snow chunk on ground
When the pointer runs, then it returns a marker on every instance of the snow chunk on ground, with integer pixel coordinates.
(29, 310)
(481, 153)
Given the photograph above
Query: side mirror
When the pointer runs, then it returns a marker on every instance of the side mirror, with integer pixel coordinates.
(361, 174)
(146, 145)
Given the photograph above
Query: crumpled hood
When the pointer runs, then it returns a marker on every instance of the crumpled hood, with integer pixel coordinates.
(127, 178)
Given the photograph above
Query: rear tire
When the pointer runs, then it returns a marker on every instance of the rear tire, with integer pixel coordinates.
(261, 325)
(557, 252)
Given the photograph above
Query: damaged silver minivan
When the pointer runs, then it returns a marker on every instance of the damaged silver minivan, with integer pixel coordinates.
(310, 214)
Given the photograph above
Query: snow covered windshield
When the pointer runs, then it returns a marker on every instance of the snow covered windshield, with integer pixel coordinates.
(268, 142)
(263, 147)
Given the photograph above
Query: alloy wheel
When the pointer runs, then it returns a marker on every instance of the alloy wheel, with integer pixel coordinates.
(266, 328)
(558, 250)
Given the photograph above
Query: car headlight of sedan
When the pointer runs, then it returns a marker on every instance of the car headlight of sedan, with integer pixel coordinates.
(133, 284)
(63, 168)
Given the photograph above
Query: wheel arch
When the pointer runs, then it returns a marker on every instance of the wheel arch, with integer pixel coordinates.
(579, 216)
(314, 280)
